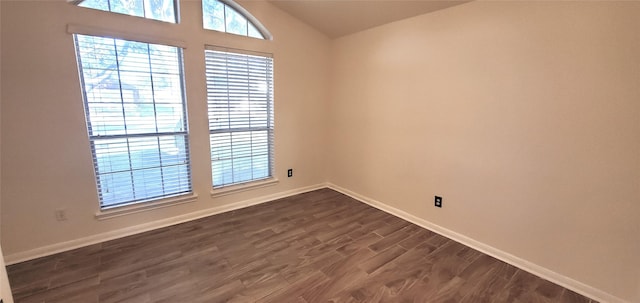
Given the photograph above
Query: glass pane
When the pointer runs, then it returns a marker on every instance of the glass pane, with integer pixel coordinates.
(144, 153)
(139, 118)
(115, 188)
(95, 4)
(127, 7)
(222, 171)
(111, 155)
(169, 118)
(242, 169)
(173, 150)
(141, 168)
(220, 146)
(167, 89)
(162, 10)
(98, 53)
(235, 22)
(260, 167)
(164, 59)
(253, 32)
(177, 178)
(132, 56)
(239, 157)
(106, 119)
(136, 87)
(213, 15)
(145, 182)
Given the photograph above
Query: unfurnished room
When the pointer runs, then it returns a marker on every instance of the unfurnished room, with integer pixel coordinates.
(319, 151)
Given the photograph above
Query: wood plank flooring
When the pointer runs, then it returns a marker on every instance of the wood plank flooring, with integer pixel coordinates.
(320, 246)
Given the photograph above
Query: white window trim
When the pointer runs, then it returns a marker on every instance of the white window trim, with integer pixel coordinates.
(108, 33)
(118, 211)
(241, 187)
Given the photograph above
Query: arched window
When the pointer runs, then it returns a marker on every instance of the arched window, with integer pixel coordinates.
(240, 102)
(229, 17)
(163, 10)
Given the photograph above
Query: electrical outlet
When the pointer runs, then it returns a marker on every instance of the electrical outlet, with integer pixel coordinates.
(438, 202)
(61, 214)
(290, 173)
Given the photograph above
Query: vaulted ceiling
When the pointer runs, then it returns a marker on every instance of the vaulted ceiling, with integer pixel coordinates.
(337, 18)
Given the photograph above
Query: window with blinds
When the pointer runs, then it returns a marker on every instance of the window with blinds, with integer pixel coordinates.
(136, 119)
(240, 106)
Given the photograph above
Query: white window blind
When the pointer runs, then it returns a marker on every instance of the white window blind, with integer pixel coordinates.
(240, 106)
(136, 119)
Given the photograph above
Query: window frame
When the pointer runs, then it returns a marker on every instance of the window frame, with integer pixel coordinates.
(136, 205)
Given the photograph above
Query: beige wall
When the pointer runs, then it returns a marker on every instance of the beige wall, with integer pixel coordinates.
(46, 161)
(5, 290)
(524, 116)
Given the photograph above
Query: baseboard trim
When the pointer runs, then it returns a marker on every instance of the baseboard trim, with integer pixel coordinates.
(525, 265)
(128, 231)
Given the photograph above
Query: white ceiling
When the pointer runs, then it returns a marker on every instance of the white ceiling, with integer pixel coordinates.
(337, 18)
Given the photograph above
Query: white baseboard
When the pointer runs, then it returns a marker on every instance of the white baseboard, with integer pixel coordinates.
(115, 234)
(525, 265)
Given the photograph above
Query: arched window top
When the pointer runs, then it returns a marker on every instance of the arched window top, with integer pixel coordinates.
(163, 10)
(229, 17)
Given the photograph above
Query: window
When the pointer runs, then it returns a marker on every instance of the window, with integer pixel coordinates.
(240, 106)
(222, 17)
(136, 119)
(163, 10)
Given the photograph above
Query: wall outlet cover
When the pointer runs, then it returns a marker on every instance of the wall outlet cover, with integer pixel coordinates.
(438, 201)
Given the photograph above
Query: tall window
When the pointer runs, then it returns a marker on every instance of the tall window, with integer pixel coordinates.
(136, 119)
(240, 102)
(163, 10)
(222, 17)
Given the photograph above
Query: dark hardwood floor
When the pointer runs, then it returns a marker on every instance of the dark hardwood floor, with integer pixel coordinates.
(314, 247)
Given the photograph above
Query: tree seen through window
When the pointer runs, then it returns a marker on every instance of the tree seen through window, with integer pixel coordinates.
(221, 17)
(163, 10)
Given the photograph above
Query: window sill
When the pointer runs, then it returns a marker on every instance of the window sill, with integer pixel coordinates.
(136, 208)
(232, 189)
